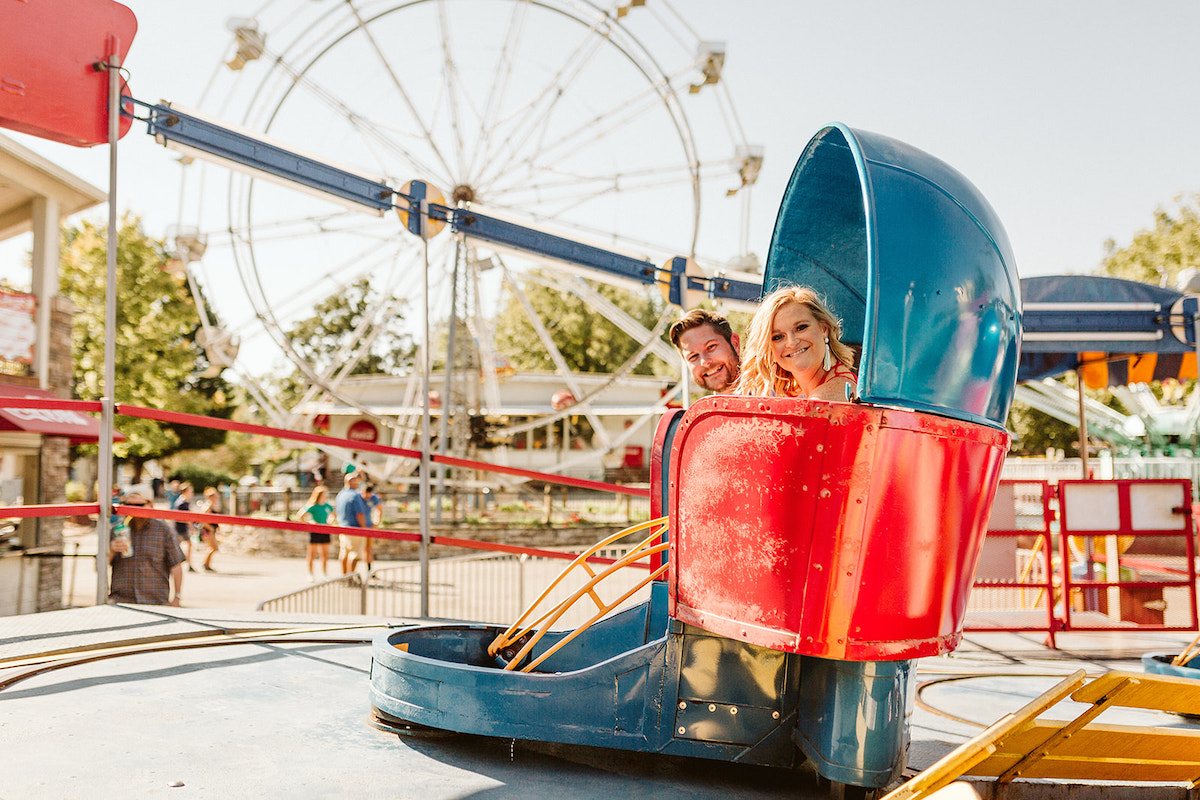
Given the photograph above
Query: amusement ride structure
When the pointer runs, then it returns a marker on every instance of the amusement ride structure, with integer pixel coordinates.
(609, 126)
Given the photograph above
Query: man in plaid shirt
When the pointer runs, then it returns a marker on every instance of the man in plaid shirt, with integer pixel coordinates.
(156, 564)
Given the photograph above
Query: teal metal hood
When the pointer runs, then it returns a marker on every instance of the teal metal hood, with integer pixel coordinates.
(913, 260)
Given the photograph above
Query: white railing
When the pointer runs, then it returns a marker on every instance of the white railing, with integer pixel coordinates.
(490, 588)
(1104, 468)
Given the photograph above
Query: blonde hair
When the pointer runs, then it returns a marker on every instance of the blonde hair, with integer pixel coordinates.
(760, 374)
(317, 493)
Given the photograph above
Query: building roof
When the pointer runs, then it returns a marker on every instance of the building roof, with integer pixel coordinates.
(25, 176)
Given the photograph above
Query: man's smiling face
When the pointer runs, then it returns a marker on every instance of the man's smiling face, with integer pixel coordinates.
(713, 361)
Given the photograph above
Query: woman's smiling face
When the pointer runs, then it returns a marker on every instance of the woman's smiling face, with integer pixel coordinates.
(797, 342)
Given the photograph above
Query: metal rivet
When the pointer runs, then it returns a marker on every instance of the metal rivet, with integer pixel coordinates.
(774, 715)
(712, 707)
(682, 730)
(682, 705)
(733, 711)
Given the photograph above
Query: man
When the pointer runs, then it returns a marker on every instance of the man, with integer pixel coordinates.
(146, 562)
(374, 517)
(352, 512)
(710, 347)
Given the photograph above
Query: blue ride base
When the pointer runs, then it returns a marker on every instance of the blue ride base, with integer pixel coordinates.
(640, 680)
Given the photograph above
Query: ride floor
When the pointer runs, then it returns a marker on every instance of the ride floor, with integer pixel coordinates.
(130, 701)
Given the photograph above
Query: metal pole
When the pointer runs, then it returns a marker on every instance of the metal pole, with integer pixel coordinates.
(425, 461)
(1083, 454)
(105, 466)
(444, 419)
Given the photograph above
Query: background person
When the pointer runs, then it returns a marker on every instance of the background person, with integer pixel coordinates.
(709, 347)
(794, 349)
(208, 530)
(352, 512)
(320, 511)
(146, 574)
(374, 518)
(183, 502)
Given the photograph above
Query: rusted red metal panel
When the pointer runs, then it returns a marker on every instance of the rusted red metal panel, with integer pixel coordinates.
(48, 86)
(828, 529)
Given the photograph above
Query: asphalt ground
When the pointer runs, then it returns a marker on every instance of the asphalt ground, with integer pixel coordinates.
(290, 719)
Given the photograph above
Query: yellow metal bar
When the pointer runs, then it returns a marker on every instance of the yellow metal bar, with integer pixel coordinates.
(551, 651)
(1065, 732)
(966, 756)
(570, 601)
(506, 638)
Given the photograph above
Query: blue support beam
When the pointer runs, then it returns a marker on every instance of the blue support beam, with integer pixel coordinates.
(191, 133)
(497, 231)
(172, 127)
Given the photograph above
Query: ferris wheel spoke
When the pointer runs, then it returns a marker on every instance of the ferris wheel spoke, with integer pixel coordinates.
(426, 131)
(529, 122)
(592, 232)
(552, 350)
(552, 186)
(585, 135)
(372, 134)
(502, 75)
(573, 284)
(559, 111)
(356, 347)
(450, 81)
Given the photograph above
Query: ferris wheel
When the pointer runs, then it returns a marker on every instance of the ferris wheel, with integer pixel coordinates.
(603, 124)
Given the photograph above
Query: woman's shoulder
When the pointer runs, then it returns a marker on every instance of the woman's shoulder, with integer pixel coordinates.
(834, 389)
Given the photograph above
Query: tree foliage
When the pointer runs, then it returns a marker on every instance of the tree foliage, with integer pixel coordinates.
(1158, 254)
(588, 341)
(324, 338)
(1034, 432)
(158, 362)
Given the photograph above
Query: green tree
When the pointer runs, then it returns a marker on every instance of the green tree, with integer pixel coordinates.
(322, 338)
(1034, 432)
(1157, 255)
(157, 360)
(588, 341)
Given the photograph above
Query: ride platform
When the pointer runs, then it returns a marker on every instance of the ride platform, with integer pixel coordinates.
(204, 704)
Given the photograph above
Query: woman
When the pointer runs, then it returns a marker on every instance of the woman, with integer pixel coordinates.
(320, 511)
(793, 349)
(208, 530)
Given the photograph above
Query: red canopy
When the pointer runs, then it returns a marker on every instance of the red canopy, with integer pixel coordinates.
(80, 427)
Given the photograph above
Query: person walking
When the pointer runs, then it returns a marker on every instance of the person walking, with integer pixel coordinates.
(352, 512)
(374, 518)
(146, 561)
(208, 530)
(320, 511)
(183, 502)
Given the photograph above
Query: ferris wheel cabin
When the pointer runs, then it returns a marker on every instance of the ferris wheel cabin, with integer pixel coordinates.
(815, 548)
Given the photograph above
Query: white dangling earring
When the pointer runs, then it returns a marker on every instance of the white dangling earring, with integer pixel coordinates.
(827, 362)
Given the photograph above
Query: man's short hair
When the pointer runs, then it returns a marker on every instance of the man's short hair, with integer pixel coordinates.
(697, 317)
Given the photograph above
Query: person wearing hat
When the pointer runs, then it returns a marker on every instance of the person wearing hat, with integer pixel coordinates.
(148, 562)
(352, 512)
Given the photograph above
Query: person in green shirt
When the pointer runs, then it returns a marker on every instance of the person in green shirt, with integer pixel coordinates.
(320, 511)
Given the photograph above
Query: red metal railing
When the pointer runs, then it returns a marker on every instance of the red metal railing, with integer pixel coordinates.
(121, 409)
(1053, 571)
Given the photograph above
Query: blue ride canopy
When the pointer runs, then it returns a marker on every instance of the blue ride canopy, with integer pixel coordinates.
(913, 260)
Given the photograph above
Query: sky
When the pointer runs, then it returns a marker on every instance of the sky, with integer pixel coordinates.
(1074, 119)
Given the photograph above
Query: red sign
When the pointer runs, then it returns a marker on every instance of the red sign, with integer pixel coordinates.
(363, 431)
(48, 86)
(18, 331)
